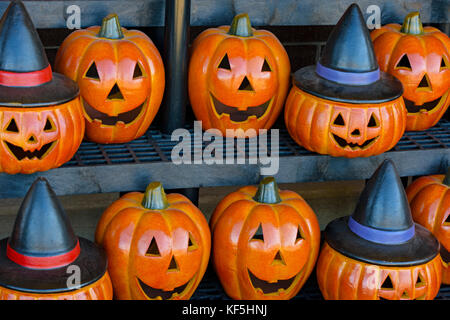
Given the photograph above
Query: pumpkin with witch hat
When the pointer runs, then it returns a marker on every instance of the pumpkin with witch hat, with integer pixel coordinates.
(41, 120)
(429, 198)
(420, 58)
(43, 256)
(379, 253)
(265, 242)
(121, 77)
(345, 106)
(238, 77)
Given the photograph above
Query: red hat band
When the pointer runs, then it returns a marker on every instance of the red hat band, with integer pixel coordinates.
(26, 79)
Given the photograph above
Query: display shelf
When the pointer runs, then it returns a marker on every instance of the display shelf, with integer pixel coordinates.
(98, 168)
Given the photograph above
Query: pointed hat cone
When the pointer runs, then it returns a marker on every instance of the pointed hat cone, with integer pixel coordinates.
(381, 230)
(347, 70)
(42, 245)
(26, 77)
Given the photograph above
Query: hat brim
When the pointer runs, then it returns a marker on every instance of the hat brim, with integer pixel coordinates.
(420, 249)
(92, 262)
(59, 90)
(387, 88)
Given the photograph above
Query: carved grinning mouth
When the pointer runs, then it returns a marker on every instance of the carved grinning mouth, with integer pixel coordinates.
(428, 106)
(20, 154)
(125, 117)
(270, 287)
(238, 115)
(343, 143)
(154, 293)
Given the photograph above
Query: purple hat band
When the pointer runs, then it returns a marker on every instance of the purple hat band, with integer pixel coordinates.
(381, 236)
(351, 78)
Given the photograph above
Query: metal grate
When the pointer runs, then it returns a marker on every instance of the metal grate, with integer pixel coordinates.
(211, 289)
(156, 147)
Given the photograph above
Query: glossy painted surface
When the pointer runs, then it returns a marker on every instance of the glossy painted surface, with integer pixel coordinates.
(343, 129)
(342, 278)
(132, 64)
(213, 82)
(274, 265)
(99, 290)
(59, 128)
(129, 232)
(429, 58)
(429, 200)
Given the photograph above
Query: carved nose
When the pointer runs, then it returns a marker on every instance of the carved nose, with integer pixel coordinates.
(245, 85)
(32, 139)
(278, 259)
(356, 133)
(424, 83)
(115, 93)
(173, 265)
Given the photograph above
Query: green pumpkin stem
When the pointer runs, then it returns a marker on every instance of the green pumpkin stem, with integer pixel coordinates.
(111, 27)
(267, 191)
(447, 178)
(241, 26)
(155, 197)
(412, 24)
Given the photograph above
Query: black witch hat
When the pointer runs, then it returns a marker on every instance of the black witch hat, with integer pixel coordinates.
(26, 77)
(381, 229)
(42, 245)
(348, 70)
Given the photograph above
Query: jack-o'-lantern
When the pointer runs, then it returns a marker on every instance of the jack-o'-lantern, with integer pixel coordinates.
(44, 260)
(121, 77)
(238, 77)
(429, 198)
(41, 124)
(379, 252)
(420, 58)
(265, 242)
(345, 106)
(158, 245)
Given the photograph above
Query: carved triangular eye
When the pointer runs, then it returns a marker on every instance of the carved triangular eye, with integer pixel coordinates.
(192, 245)
(138, 71)
(387, 283)
(404, 63)
(258, 234)
(339, 121)
(225, 63)
(444, 64)
(153, 249)
(373, 123)
(447, 221)
(12, 126)
(299, 235)
(420, 281)
(266, 66)
(92, 72)
(49, 125)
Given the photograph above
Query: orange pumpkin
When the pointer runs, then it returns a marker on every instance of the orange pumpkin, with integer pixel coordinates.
(420, 58)
(429, 198)
(121, 78)
(375, 282)
(238, 77)
(157, 246)
(99, 290)
(343, 129)
(265, 242)
(39, 138)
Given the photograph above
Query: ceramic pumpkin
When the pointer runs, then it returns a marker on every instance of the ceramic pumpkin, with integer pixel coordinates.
(158, 246)
(265, 242)
(121, 77)
(379, 252)
(345, 106)
(420, 58)
(238, 77)
(44, 260)
(41, 124)
(429, 198)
